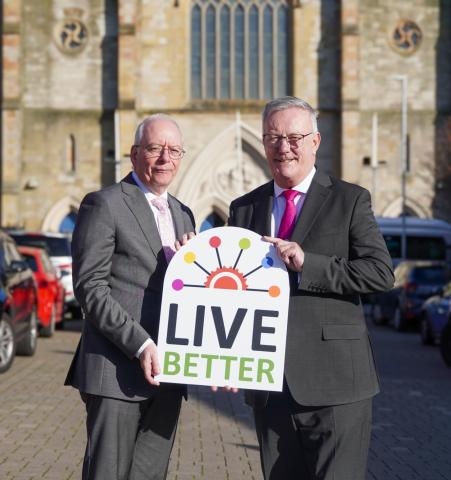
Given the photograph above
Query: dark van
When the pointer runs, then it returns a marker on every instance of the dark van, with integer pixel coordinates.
(426, 238)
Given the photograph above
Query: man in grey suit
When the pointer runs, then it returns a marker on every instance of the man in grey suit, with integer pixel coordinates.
(325, 232)
(122, 243)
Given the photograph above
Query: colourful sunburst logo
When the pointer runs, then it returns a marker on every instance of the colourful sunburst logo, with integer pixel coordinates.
(224, 312)
(226, 277)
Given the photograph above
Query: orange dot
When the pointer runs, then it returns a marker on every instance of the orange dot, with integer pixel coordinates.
(274, 291)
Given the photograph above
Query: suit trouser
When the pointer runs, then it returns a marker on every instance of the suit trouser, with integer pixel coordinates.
(130, 440)
(312, 443)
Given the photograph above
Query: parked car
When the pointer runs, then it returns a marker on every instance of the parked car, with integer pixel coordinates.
(435, 314)
(58, 246)
(50, 289)
(18, 311)
(445, 343)
(415, 281)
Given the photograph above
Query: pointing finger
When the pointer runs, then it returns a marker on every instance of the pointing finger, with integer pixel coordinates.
(272, 240)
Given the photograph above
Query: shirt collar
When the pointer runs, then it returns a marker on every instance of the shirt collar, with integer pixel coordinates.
(149, 194)
(301, 187)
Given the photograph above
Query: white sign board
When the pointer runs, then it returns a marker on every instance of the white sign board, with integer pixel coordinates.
(224, 312)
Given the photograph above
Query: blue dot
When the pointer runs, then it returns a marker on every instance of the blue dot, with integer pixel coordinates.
(267, 262)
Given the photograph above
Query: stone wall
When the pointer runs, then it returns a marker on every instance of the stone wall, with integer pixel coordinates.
(135, 61)
(55, 109)
(379, 92)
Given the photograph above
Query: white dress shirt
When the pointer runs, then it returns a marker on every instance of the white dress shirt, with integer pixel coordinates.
(149, 197)
(279, 201)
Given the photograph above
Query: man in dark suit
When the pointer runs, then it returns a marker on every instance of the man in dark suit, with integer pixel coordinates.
(122, 243)
(325, 232)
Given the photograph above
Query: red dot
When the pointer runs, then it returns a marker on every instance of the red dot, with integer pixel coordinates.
(215, 242)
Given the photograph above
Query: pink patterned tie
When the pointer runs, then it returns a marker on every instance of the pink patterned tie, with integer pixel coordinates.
(166, 227)
(289, 215)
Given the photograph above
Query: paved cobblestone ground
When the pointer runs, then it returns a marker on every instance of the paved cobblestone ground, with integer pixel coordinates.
(42, 427)
(412, 416)
(42, 423)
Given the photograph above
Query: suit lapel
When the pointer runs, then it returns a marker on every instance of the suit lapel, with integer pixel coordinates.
(177, 217)
(263, 210)
(138, 205)
(314, 202)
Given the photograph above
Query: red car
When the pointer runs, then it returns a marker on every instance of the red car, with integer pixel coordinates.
(50, 289)
(18, 319)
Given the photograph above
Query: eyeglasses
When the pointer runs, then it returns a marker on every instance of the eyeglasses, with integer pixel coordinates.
(154, 150)
(294, 139)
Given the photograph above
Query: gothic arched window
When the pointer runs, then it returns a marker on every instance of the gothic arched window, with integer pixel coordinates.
(239, 49)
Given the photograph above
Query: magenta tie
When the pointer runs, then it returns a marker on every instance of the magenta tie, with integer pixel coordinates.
(289, 215)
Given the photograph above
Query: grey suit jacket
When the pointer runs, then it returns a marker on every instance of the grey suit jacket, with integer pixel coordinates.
(328, 354)
(118, 272)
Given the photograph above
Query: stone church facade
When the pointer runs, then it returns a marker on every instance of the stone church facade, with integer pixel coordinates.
(78, 76)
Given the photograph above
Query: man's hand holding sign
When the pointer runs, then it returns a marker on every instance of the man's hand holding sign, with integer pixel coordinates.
(224, 312)
(149, 357)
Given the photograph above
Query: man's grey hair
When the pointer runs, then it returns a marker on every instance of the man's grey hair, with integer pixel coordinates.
(152, 118)
(283, 103)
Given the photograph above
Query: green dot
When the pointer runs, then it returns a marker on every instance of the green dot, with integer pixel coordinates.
(245, 243)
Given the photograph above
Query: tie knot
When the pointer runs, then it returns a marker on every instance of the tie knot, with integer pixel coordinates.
(290, 195)
(160, 203)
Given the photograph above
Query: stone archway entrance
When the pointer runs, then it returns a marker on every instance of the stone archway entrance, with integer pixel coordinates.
(413, 208)
(61, 216)
(232, 164)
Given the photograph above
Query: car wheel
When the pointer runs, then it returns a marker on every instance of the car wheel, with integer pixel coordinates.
(60, 325)
(445, 344)
(376, 315)
(425, 332)
(76, 312)
(398, 321)
(27, 346)
(7, 344)
(50, 329)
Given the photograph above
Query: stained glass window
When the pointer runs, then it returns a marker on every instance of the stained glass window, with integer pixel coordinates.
(211, 53)
(196, 58)
(253, 52)
(239, 49)
(225, 52)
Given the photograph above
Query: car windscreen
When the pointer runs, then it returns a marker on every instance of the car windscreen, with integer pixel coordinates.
(57, 247)
(31, 262)
(429, 275)
(418, 248)
(46, 263)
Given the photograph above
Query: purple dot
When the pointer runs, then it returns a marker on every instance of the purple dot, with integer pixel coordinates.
(177, 284)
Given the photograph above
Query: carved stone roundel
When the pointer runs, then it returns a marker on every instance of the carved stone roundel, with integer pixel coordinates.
(71, 35)
(406, 37)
